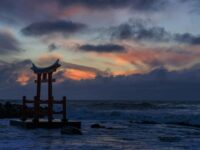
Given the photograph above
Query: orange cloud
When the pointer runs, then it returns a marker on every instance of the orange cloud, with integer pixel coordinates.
(125, 73)
(23, 79)
(76, 74)
(141, 60)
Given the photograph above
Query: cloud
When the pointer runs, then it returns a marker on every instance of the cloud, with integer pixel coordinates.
(14, 73)
(17, 77)
(140, 31)
(76, 74)
(48, 27)
(52, 47)
(187, 38)
(142, 59)
(46, 59)
(38, 10)
(68, 65)
(159, 84)
(194, 5)
(15, 12)
(106, 48)
(23, 78)
(8, 43)
(141, 5)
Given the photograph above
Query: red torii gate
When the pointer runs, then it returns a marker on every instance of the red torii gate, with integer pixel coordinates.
(44, 75)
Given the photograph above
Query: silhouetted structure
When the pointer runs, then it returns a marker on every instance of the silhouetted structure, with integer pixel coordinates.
(44, 75)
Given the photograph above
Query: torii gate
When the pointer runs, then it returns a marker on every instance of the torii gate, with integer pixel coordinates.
(44, 75)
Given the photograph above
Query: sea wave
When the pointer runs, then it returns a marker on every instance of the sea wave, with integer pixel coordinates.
(146, 113)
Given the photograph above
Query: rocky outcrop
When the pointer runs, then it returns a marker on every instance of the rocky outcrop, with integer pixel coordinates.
(9, 110)
(96, 125)
(71, 131)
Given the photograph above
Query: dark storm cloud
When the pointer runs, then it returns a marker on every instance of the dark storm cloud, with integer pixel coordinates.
(8, 43)
(9, 87)
(15, 12)
(36, 10)
(143, 5)
(48, 27)
(141, 32)
(106, 48)
(159, 84)
(10, 71)
(187, 38)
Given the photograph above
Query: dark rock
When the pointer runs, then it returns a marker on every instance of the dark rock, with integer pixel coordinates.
(96, 125)
(9, 110)
(71, 131)
(185, 124)
(169, 139)
(148, 122)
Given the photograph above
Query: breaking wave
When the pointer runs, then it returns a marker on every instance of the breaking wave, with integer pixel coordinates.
(147, 113)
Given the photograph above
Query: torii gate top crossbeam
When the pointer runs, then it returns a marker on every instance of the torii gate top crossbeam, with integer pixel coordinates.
(49, 69)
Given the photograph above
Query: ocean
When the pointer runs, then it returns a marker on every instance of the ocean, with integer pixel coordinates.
(130, 125)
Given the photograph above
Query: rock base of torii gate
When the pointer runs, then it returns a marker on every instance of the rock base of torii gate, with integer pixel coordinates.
(44, 75)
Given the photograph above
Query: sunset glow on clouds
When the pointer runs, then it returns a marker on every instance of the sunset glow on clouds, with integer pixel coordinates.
(98, 39)
(23, 79)
(75, 74)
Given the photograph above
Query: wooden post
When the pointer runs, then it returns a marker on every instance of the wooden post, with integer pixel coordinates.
(50, 98)
(38, 86)
(36, 110)
(37, 99)
(23, 111)
(64, 109)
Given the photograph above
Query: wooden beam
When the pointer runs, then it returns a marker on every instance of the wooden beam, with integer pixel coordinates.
(43, 101)
(29, 101)
(45, 81)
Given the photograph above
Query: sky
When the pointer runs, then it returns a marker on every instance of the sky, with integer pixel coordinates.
(108, 49)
